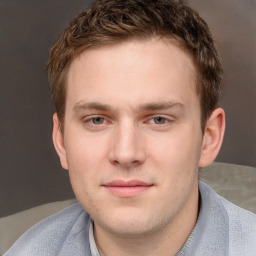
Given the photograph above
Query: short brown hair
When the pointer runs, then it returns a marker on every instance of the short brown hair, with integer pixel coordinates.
(114, 21)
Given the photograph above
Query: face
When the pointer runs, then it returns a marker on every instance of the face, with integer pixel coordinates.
(132, 137)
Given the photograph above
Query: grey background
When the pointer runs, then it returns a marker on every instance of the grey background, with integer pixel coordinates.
(30, 170)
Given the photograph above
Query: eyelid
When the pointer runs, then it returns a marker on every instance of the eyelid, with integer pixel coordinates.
(166, 117)
(160, 123)
(88, 118)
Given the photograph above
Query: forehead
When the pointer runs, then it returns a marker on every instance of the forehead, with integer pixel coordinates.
(139, 69)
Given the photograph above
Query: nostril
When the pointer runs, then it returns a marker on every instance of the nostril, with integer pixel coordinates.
(127, 162)
(115, 162)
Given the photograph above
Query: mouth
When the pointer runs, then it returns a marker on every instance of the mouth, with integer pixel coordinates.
(127, 189)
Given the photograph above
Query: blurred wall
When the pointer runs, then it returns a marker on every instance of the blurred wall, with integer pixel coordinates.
(30, 170)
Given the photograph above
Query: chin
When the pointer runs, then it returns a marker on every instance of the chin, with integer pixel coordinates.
(131, 224)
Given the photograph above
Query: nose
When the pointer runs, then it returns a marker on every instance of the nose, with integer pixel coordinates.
(127, 149)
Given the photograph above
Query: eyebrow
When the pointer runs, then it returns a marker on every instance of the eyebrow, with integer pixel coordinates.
(161, 106)
(153, 106)
(91, 105)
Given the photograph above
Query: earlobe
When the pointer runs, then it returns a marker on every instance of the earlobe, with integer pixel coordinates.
(213, 137)
(58, 141)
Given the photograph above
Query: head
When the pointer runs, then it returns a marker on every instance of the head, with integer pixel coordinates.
(136, 85)
(110, 22)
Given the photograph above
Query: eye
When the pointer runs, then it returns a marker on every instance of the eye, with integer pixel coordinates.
(97, 120)
(96, 123)
(159, 120)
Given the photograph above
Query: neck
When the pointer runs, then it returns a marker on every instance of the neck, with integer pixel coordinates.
(166, 241)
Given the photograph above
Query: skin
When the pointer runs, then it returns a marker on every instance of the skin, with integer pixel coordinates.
(133, 143)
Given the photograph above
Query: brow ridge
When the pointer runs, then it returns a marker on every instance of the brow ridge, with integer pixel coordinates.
(160, 105)
(152, 106)
(91, 105)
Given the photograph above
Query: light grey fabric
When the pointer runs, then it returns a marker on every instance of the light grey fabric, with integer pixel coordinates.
(12, 227)
(222, 229)
(64, 234)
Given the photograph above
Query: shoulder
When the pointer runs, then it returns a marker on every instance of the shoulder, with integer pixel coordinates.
(242, 228)
(50, 235)
(239, 224)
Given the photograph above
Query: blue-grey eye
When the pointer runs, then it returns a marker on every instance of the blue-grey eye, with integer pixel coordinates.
(98, 120)
(159, 120)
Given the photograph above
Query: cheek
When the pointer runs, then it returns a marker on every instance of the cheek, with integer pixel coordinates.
(84, 150)
(83, 159)
(176, 147)
(176, 156)
(82, 168)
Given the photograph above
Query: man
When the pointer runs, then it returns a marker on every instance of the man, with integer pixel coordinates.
(136, 85)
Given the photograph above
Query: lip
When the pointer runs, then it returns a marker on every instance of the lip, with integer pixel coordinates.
(127, 189)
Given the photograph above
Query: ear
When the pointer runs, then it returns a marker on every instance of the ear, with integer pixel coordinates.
(58, 141)
(213, 137)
